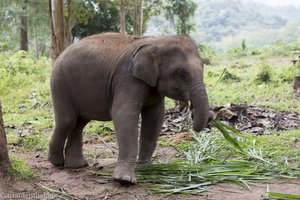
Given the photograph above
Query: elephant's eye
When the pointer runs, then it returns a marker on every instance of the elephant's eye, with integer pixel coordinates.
(182, 74)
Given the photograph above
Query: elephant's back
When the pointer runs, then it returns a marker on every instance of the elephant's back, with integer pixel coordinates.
(96, 51)
(85, 71)
(115, 43)
(113, 39)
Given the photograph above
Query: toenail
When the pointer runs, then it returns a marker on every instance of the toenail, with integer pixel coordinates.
(126, 178)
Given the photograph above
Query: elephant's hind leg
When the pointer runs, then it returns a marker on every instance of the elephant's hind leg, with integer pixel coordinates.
(62, 129)
(73, 151)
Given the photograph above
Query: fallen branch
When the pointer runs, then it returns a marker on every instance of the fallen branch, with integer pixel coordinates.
(62, 194)
(114, 151)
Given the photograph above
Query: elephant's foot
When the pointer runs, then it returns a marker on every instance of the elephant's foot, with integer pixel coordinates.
(56, 159)
(75, 162)
(124, 174)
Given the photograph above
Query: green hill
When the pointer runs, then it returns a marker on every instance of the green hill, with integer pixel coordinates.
(224, 24)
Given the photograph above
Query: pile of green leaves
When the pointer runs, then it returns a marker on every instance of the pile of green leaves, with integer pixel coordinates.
(208, 159)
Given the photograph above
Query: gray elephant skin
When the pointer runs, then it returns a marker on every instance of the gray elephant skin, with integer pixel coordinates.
(117, 77)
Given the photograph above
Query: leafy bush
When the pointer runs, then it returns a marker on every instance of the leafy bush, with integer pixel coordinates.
(21, 70)
(230, 77)
(255, 52)
(265, 74)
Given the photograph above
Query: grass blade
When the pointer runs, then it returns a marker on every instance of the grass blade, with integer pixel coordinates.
(283, 195)
(219, 79)
(224, 130)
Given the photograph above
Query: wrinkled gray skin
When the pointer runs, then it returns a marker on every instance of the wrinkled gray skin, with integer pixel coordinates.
(119, 77)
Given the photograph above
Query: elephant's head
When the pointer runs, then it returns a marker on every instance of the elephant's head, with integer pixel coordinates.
(174, 67)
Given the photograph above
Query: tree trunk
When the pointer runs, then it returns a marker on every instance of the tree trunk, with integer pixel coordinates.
(68, 39)
(138, 17)
(135, 17)
(296, 83)
(56, 9)
(141, 12)
(36, 42)
(122, 16)
(5, 165)
(23, 30)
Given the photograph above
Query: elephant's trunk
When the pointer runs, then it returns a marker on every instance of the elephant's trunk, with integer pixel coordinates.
(200, 106)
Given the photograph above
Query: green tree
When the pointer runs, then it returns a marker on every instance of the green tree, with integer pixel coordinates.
(244, 45)
(21, 20)
(95, 16)
(39, 32)
(181, 13)
(139, 13)
(152, 8)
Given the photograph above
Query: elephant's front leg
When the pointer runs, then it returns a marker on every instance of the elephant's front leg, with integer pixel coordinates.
(152, 119)
(125, 117)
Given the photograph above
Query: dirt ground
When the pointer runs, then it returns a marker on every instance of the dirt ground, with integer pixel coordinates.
(54, 183)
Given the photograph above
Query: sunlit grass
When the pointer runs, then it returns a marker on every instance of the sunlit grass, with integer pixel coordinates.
(21, 168)
(276, 94)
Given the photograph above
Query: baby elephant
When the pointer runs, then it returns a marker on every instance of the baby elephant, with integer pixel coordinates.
(118, 77)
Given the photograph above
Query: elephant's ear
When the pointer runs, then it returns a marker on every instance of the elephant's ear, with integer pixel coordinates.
(144, 64)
